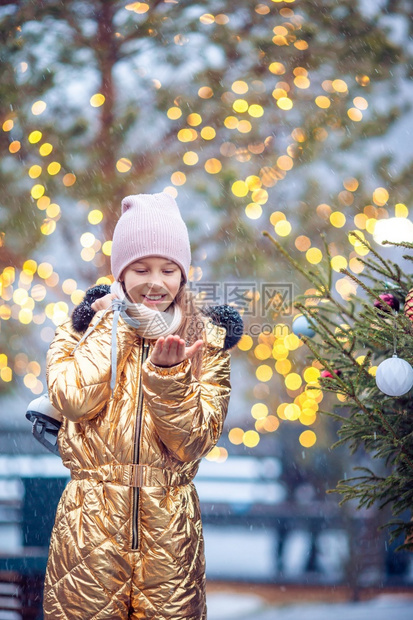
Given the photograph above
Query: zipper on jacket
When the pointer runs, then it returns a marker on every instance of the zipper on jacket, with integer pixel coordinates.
(136, 453)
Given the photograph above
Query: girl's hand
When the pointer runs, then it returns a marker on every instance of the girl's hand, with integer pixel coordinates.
(103, 302)
(171, 350)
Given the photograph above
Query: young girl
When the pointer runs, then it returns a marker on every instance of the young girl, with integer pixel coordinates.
(142, 379)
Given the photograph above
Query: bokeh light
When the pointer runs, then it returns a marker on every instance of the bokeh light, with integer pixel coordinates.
(97, 100)
(38, 107)
(307, 439)
(236, 436)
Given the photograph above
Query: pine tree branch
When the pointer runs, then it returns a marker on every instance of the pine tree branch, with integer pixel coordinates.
(310, 275)
(365, 288)
(330, 269)
(326, 365)
(396, 440)
(336, 416)
(326, 334)
(289, 258)
(398, 444)
(370, 249)
(371, 264)
(338, 346)
(401, 244)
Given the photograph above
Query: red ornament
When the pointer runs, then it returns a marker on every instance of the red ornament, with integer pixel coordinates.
(327, 373)
(389, 300)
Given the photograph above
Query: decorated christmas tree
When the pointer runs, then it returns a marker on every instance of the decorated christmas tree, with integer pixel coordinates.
(361, 351)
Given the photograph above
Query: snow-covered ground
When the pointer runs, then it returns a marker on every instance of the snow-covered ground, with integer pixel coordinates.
(223, 606)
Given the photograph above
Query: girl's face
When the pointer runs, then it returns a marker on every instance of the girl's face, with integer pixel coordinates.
(152, 277)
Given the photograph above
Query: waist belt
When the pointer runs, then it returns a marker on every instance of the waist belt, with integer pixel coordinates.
(132, 475)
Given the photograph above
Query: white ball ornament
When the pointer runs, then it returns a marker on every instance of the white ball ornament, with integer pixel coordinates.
(394, 376)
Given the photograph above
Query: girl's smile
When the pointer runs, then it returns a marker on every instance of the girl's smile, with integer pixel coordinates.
(154, 299)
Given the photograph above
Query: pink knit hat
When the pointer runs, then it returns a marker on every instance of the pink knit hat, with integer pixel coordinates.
(150, 224)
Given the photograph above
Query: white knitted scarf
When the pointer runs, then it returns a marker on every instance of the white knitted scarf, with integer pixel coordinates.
(151, 323)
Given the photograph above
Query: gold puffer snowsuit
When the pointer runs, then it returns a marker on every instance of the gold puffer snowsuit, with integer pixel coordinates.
(127, 540)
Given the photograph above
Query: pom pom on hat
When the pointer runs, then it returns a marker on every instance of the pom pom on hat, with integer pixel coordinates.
(150, 225)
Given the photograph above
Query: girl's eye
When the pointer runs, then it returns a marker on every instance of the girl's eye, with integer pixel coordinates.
(143, 271)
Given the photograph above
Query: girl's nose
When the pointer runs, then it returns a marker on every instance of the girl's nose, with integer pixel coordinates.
(155, 281)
